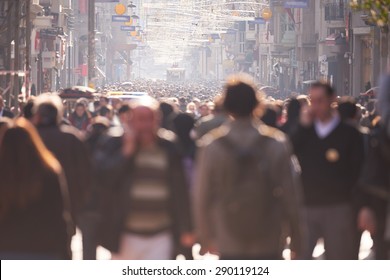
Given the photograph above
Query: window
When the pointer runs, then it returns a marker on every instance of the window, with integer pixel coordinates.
(335, 11)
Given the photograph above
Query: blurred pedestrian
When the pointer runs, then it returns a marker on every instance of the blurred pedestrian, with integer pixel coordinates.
(5, 123)
(293, 113)
(372, 114)
(34, 213)
(80, 118)
(375, 179)
(3, 111)
(66, 145)
(212, 121)
(124, 114)
(270, 116)
(107, 112)
(191, 109)
(28, 109)
(145, 209)
(203, 111)
(246, 186)
(183, 125)
(167, 115)
(331, 154)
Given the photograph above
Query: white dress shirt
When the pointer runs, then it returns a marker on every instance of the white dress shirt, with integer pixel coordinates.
(324, 129)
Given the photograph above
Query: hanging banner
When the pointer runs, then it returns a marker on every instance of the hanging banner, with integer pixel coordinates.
(297, 4)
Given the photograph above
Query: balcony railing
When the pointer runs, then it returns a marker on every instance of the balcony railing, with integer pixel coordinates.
(334, 11)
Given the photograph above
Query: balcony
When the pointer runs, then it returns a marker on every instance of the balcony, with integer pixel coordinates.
(335, 11)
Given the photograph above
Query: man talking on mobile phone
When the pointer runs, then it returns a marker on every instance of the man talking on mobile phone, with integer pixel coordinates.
(331, 154)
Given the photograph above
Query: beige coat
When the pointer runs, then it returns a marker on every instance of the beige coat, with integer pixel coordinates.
(212, 174)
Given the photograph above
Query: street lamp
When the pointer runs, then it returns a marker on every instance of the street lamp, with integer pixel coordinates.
(266, 14)
(131, 5)
(120, 9)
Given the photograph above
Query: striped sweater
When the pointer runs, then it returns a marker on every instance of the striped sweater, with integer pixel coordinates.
(148, 209)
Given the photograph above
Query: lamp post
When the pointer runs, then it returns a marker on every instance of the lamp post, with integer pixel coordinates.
(16, 88)
(131, 7)
(266, 14)
(28, 47)
(91, 43)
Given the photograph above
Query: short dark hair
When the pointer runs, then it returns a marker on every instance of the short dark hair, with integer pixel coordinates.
(28, 110)
(124, 109)
(48, 114)
(240, 97)
(293, 109)
(104, 111)
(79, 104)
(347, 108)
(270, 116)
(326, 87)
(96, 104)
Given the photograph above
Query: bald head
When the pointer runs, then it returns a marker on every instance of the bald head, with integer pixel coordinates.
(145, 119)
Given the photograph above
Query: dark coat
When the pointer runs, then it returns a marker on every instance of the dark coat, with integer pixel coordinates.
(330, 166)
(73, 156)
(114, 175)
(375, 186)
(42, 227)
(8, 114)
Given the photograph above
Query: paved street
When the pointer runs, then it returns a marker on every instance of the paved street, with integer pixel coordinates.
(103, 254)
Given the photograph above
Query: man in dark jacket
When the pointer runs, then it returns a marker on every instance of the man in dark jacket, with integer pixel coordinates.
(145, 202)
(331, 154)
(67, 147)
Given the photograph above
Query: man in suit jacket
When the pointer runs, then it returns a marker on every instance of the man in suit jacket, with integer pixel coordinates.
(4, 112)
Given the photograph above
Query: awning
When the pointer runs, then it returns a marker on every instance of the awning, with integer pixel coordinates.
(335, 39)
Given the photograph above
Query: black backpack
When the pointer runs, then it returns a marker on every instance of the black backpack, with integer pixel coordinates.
(250, 201)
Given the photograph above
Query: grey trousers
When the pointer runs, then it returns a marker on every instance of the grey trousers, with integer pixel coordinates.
(336, 224)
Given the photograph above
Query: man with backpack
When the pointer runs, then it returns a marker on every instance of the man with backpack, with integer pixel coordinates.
(247, 190)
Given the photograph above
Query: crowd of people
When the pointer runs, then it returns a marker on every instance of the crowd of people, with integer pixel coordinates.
(240, 173)
(186, 92)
